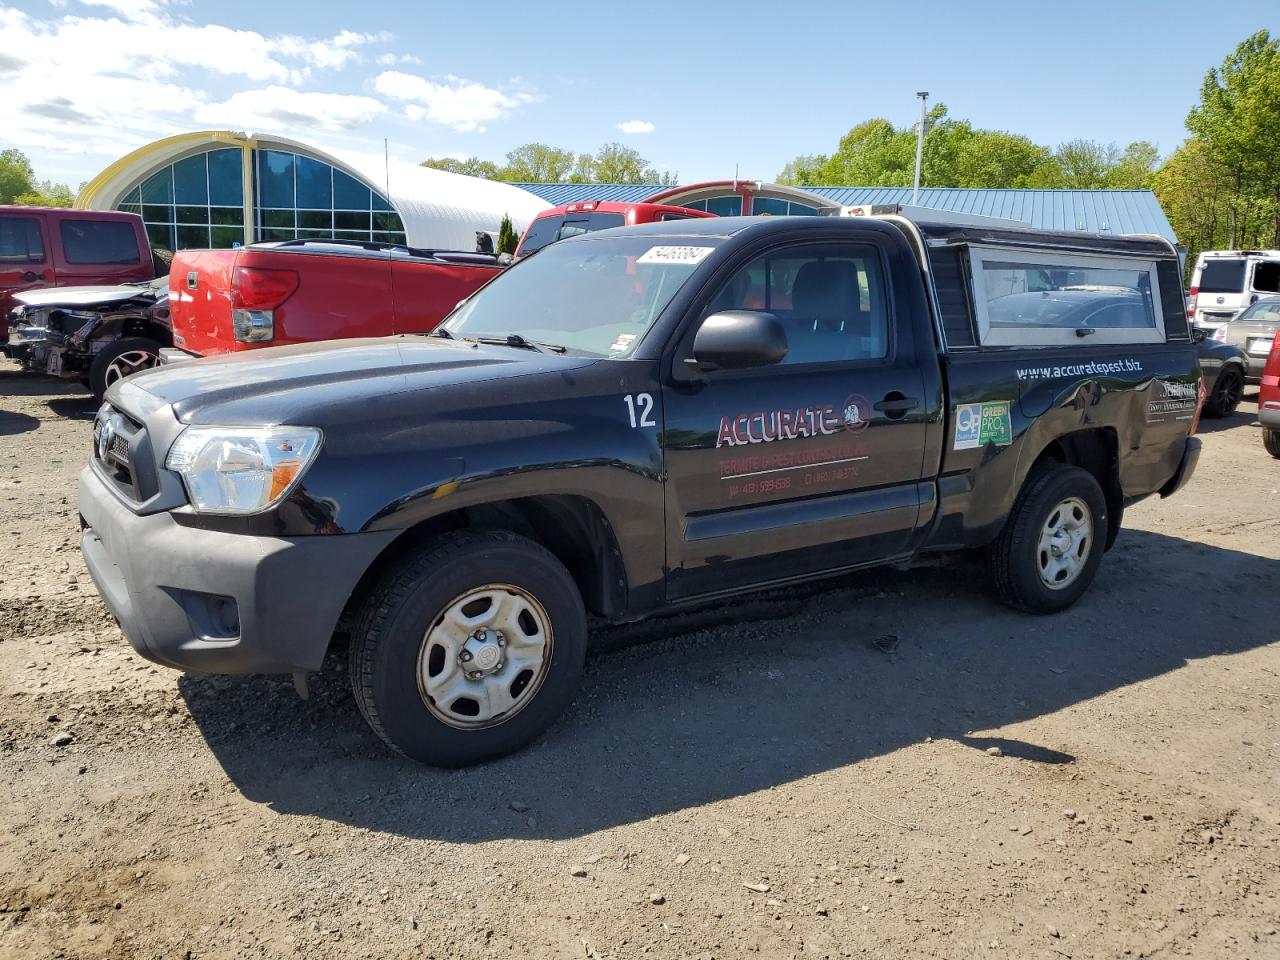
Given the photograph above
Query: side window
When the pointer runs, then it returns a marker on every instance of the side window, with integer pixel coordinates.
(830, 299)
(99, 241)
(20, 240)
(1046, 299)
(1266, 276)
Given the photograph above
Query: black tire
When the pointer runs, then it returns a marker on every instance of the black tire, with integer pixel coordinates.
(108, 365)
(390, 632)
(1271, 441)
(1016, 558)
(1228, 390)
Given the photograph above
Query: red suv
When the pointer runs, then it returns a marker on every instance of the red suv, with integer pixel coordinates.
(575, 218)
(1269, 400)
(57, 247)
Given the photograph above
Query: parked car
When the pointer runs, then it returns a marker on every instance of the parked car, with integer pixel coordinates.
(1224, 367)
(96, 335)
(1269, 400)
(298, 291)
(57, 247)
(574, 219)
(1224, 282)
(608, 428)
(1252, 331)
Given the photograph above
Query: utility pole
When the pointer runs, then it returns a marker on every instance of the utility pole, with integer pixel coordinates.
(915, 187)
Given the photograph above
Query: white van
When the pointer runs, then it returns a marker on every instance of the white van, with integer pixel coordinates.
(1226, 281)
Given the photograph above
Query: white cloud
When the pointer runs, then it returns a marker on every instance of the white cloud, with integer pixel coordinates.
(79, 88)
(464, 105)
(282, 108)
(391, 59)
(636, 126)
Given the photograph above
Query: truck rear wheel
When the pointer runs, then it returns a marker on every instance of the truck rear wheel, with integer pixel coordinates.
(468, 648)
(119, 359)
(1052, 543)
(1271, 441)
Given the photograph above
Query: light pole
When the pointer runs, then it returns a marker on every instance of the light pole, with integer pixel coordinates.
(915, 187)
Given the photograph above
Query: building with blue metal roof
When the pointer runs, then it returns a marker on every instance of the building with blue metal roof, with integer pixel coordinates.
(1090, 211)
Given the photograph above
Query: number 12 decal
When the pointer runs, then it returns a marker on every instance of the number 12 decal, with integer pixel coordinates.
(643, 404)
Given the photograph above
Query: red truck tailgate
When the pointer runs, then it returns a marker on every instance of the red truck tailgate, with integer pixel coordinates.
(200, 300)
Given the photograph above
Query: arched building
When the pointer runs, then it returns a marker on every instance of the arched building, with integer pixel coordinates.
(217, 188)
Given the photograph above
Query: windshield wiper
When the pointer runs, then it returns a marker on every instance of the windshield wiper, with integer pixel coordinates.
(515, 340)
(442, 332)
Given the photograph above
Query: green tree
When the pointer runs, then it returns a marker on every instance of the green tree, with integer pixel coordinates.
(16, 176)
(956, 154)
(1238, 120)
(537, 163)
(1136, 167)
(507, 236)
(1086, 163)
(468, 166)
(615, 163)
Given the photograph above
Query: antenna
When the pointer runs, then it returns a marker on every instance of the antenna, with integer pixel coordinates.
(386, 166)
(915, 187)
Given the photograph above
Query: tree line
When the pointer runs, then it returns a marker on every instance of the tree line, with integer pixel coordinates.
(539, 163)
(1220, 188)
(957, 154)
(18, 183)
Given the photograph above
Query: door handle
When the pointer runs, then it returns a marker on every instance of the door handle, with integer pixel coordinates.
(31, 276)
(896, 403)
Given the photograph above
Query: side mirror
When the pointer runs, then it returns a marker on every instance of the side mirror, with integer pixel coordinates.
(735, 339)
(1197, 334)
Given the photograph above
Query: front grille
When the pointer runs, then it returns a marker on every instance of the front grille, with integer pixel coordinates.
(125, 454)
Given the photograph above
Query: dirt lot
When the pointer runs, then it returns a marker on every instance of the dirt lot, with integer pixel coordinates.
(760, 779)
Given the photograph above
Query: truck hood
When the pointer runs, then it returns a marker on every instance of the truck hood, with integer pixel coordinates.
(81, 296)
(295, 384)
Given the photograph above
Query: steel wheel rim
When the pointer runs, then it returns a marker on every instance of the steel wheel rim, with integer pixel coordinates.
(1066, 540)
(485, 656)
(1230, 389)
(129, 363)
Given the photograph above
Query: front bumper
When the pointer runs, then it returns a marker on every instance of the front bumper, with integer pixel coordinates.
(1186, 467)
(217, 602)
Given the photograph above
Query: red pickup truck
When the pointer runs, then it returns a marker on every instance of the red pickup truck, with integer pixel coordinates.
(57, 247)
(298, 291)
(588, 216)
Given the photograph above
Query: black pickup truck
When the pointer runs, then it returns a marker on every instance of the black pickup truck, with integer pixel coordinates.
(631, 420)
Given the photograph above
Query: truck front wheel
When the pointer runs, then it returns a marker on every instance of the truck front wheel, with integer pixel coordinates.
(119, 359)
(468, 648)
(1052, 543)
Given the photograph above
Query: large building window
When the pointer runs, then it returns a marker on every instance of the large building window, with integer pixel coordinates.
(300, 197)
(199, 201)
(196, 202)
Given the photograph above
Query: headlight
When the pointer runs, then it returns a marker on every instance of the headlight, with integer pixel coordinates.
(241, 469)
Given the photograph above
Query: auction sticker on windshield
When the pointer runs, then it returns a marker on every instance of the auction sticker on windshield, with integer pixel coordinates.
(683, 255)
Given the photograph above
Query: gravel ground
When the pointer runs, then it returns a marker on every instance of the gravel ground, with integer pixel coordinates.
(889, 765)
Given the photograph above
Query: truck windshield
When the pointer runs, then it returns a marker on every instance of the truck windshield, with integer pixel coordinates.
(597, 296)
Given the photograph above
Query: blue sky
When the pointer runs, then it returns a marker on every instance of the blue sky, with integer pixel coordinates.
(719, 84)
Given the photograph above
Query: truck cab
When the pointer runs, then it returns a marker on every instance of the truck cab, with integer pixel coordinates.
(632, 421)
(575, 219)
